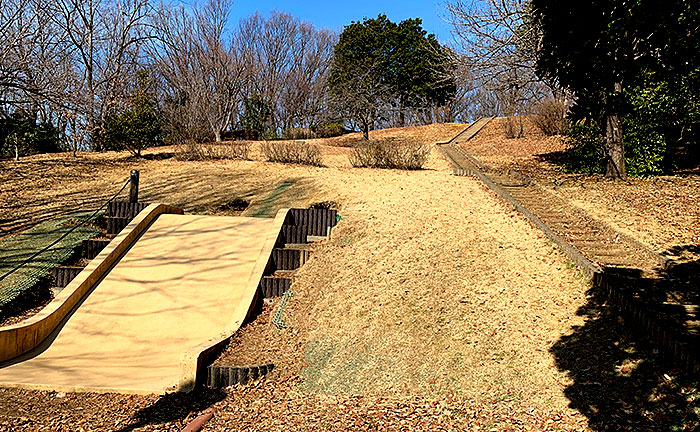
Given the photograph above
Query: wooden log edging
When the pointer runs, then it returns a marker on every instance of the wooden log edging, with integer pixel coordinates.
(91, 248)
(315, 222)
(223, 376)
(667, 335)
(289, 259)
(63, 275)
(125, 209)
(459, 172)
(274, 287)
(116, 224)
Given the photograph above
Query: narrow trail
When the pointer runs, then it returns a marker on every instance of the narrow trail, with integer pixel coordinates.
(598, 242)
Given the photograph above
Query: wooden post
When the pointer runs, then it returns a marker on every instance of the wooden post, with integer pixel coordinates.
(134, 191)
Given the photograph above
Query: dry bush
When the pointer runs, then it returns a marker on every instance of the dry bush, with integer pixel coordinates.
(513, 127)
(329, 130)
(550, 116)
(390, 153)
(191, 150)
(295, 152)
(298, 134)
(227, 150)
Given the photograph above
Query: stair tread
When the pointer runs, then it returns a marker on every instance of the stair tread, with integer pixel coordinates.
(281, 274)
(297, 246)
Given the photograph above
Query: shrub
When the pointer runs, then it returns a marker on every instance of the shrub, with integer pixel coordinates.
(513, 127)
(550, 116)
(189, 150)
(298, 134)
(192, 150)
(586, 148)
(645, 149)
(329, 130)
(137, 126)
(295, 152)
(389, 154)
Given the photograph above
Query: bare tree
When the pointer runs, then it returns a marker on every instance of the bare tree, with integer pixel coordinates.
(287, 61)
(104, 39)
(201, 70)
(35, 63)
(499, 41)
(363, 99)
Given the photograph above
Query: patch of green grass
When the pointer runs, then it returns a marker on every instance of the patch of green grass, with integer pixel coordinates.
(335, 370)
(317, 355)
(17, 249)
(267, 207)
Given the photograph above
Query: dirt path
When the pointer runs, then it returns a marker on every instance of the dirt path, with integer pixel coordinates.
(598, 241)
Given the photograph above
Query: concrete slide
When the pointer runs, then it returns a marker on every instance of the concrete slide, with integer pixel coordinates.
(181, 285)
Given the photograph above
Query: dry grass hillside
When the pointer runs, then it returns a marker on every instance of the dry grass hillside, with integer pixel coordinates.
(434, 306)
(428, 134)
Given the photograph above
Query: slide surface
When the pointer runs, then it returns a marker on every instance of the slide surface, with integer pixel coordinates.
(176, 286)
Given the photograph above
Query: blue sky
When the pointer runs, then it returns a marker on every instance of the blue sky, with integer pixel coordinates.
(336, 14)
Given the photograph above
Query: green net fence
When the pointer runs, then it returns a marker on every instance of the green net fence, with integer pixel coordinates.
(17, 249)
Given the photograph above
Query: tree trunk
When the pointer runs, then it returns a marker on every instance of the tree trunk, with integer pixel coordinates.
(614, 144)
(16, 153)
(217, 135)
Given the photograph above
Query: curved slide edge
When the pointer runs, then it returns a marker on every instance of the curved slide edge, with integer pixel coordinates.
(21, 338)
(193, 362)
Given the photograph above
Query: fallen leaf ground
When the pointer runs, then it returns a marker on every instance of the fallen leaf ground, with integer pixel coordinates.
(433, 307)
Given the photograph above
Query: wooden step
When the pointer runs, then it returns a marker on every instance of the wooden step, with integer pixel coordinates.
(284, 274)
(91, 248)
(299, 246)
(271, 286)
(63, 275)
(288, 259)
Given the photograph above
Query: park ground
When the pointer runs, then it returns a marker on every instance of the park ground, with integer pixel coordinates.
(433, 306)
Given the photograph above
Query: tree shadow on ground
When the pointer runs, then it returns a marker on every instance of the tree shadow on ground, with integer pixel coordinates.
(620, 381)
(174, 407)
(555, 157)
